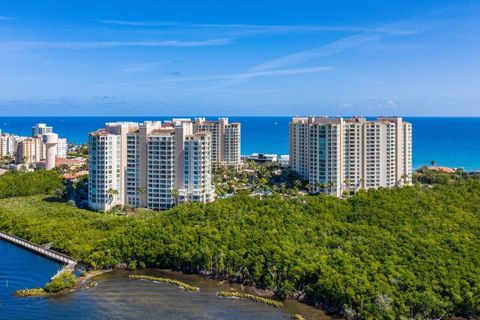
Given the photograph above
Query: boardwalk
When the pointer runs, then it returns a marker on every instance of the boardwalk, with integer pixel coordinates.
(51, 254)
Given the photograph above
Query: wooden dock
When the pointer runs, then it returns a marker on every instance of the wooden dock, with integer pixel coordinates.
(69, 263)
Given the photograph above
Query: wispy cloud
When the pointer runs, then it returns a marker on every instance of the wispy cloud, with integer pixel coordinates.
(112, 44)
(140, 67)
(323, 51)
(286, 72)
(338, 46)
(231, 77)
(6, 18)
(258, 28)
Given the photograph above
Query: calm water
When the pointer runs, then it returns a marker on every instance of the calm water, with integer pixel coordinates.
(448, 141)
(117, 297)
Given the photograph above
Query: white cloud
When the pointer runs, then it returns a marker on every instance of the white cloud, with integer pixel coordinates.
(323, 51)
(112, 44)
(231, 77)
(240, 29)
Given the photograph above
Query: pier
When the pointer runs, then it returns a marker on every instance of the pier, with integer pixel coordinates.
(69, 263)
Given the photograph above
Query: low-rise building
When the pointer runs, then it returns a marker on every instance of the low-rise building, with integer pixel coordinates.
(261, 157)
(284, 160)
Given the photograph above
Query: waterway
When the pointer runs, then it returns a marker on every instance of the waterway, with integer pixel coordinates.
(117, 297)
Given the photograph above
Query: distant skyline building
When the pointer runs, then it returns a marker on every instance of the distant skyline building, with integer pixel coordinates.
(151, 164)
(8, 144)
(29, 150)
(40, 129)
(337, 155)
(50, 141)
(261, 157)
(62, 148)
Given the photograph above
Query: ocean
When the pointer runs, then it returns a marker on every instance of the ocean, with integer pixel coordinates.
(452, 142)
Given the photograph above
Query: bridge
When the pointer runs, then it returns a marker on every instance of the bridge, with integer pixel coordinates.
(69, 263)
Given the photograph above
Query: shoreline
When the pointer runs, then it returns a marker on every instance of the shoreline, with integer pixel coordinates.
(79, 282)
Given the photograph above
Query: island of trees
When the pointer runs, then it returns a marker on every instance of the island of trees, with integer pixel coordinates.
(404, 253)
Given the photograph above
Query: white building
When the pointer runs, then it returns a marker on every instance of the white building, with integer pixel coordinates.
(261, 157)
(8, 144)
(284, 160)
(62, 148)
(156, 165)
(104, 170)
(197, 184)
(337, 155)
(40, 129)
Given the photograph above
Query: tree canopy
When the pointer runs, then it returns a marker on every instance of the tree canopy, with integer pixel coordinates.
(411, 252)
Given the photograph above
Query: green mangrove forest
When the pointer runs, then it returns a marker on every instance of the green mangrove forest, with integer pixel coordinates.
(65, 280)
(402, 253)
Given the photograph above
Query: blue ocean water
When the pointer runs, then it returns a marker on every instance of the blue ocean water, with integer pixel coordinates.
(452, 142)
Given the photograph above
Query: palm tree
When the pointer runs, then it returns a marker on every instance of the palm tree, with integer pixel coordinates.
(174, 194)
(310, 187)
(362, 181)
(330, 185)
(297, 183)
(433, 163)
(283, 187)
(111, 194)
(318, 186)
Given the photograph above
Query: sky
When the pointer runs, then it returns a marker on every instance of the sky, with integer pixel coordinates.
(239, 58)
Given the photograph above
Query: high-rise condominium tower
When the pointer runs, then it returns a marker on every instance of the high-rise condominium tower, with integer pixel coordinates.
(146, 165)
(225, 140)
(337, 155)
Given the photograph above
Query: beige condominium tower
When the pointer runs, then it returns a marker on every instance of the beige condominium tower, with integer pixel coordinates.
(152, 164)
(337, 155)
(225, 140)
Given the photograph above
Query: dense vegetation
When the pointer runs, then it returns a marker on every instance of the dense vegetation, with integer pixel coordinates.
(16, 183)
(65, 280)
(62, 281)
(257, 178)
(412, 252)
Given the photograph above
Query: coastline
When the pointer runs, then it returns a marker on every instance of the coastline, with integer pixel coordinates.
(291, 305)
(80, 282)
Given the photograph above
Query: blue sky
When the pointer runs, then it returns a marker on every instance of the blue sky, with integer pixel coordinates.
(240, 57)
